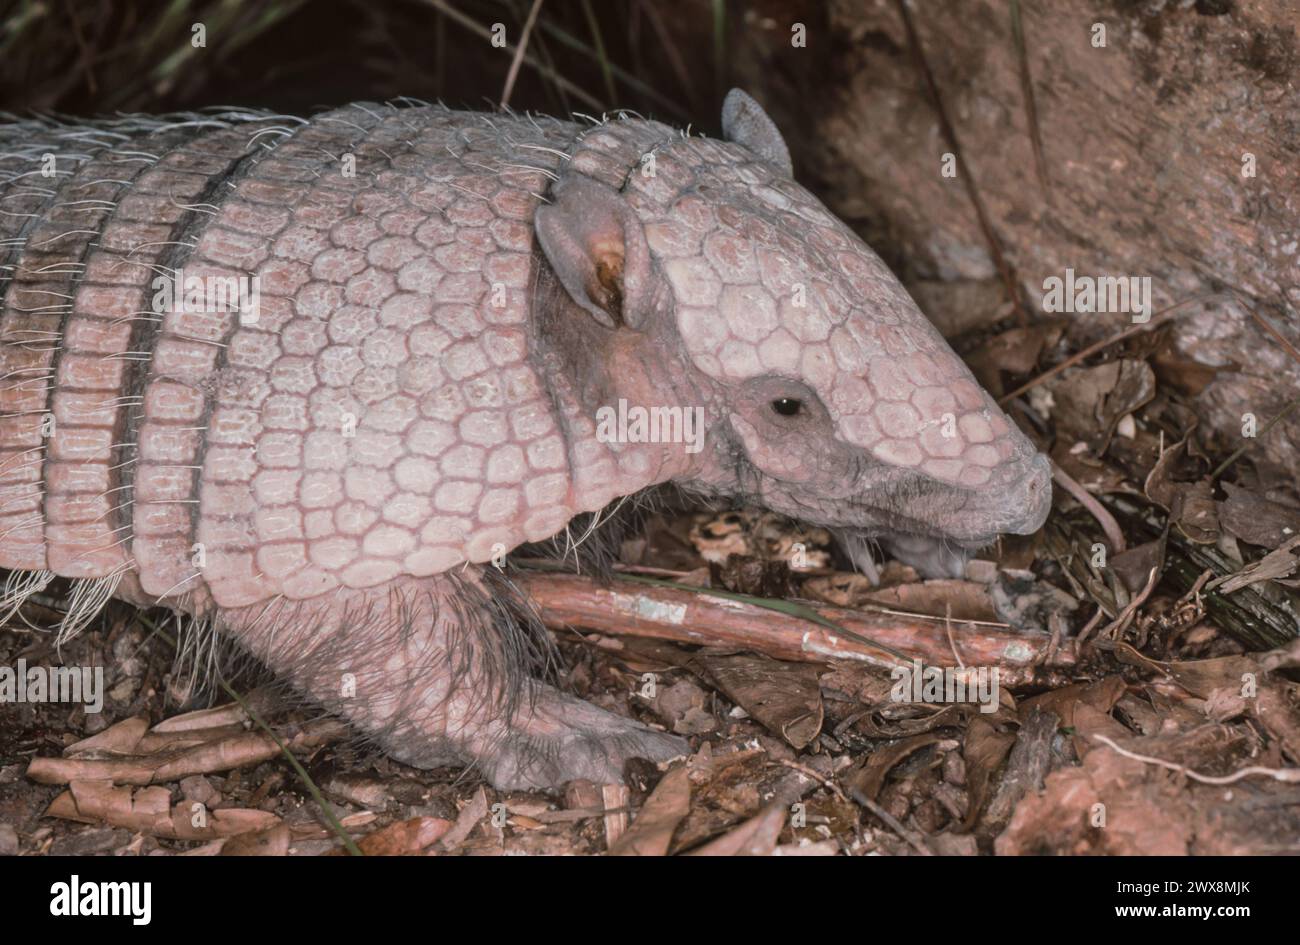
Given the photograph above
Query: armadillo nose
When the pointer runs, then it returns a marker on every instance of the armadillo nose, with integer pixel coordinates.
(1032, 496)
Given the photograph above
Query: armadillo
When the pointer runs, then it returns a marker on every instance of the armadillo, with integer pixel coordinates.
(310, 382)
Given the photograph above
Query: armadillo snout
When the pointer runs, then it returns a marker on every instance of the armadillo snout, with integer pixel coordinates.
(1029, 498)
(1015, 502)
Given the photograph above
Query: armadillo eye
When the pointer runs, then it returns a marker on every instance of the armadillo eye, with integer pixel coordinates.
(787, 406)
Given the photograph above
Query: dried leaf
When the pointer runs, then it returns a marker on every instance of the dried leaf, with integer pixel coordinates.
(1100, 695)
(1195, 513)
(652, 831)
(1134, 565)
(1091, 401)
(984, 750)
(784, 697)
(1016, 351)
(404, 838)
(1161, 486)
(1188, 377)
(870, 777)
(1255, 519)
(1176, 483)
(755, 837)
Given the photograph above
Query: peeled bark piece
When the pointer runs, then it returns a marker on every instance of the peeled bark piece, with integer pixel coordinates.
(149, 810)
(224, 754)
(1030, 760)
(131, 753)
(960, 600)
(1277, 564)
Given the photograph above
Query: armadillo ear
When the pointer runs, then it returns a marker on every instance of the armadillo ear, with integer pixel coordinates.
(745, 123)
(597, 248)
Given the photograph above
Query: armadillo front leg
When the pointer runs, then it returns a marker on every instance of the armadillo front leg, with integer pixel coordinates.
(430, 669)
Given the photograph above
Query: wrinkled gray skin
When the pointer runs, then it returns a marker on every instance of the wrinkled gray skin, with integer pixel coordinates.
(439, 336)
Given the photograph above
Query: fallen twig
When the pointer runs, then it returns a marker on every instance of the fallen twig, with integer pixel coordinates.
(1095, 508)
(1286, 775)
(672, 613)
(1031, 105)
(1117, 626)
(1265, 324)
(1091, 625)
(478, 29)
(808, 772)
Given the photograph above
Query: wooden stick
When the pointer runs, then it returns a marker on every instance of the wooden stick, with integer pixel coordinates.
(622, 608)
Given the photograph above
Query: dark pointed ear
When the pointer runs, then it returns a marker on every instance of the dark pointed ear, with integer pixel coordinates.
(597, 248)
(745, 123)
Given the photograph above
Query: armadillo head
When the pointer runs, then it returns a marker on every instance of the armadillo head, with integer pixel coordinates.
(829, 395)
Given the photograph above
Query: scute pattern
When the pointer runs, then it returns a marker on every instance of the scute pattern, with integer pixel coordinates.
(382, 417)
(766, 280)
(379, 416)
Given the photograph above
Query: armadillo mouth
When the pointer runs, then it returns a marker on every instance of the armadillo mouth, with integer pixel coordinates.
(950, 528)
(900, 503)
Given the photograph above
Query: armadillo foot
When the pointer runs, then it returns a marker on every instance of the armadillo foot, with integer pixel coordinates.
(560, 738)
(555, 739)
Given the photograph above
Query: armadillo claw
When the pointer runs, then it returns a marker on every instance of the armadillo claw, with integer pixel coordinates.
(561, 739)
